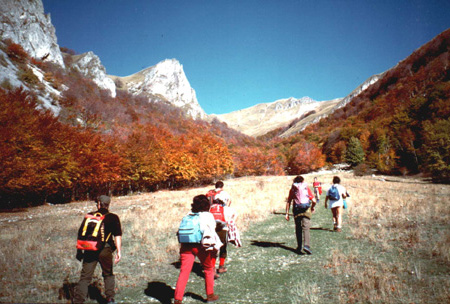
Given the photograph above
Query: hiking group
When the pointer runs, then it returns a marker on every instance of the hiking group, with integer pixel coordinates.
(303, 206)
(204, 233)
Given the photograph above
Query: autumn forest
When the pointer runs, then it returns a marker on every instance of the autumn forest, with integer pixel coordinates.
(99, 144)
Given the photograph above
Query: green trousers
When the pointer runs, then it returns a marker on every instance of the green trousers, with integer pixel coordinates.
(90, 260)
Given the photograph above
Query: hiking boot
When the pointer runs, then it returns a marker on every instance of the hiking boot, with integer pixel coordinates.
(212, 298)
(177, 302)
(307, 250)
(222, 269)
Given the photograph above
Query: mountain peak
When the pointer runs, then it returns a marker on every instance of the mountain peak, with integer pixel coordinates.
(166, 79)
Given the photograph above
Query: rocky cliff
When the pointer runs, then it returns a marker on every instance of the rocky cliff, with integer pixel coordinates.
(361, 88)
(167, 80)
(90, 66)
(24, 22)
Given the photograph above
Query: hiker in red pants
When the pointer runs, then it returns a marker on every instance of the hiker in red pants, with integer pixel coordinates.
(225, 217)
(205, 248)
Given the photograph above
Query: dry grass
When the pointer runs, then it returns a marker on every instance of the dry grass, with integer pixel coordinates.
(404, 218)
(408, 223)
(38, 245)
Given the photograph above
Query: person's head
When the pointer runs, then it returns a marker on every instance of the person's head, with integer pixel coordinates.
(298, 179)
(103, 201)
(219, 185)
(315, 178)
(200, 203)
(336, 180)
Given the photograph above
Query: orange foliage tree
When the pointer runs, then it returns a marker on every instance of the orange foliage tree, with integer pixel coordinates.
(305, 157)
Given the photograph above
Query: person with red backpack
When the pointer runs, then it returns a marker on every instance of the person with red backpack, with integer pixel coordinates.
(219, 193)
(303, 206)
(317, 189)
(223, 215)
(99, 235)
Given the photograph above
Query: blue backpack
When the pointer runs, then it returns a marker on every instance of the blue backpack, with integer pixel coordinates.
(333, 193)
(189, 230)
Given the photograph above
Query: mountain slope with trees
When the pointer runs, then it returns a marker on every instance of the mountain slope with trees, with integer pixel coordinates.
(98, 143)
(401, 122)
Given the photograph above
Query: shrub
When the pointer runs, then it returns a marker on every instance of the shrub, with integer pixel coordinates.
(17, 53)
(28, 77)
(362, 170)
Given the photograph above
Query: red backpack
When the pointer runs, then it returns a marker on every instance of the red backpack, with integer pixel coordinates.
(92, 234)
(217, 211)
(212, 194)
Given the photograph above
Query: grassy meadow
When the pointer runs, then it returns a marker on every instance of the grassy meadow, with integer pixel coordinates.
(394, 248)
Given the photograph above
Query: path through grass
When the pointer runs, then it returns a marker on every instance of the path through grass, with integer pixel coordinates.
(394, 247)
(266, 269)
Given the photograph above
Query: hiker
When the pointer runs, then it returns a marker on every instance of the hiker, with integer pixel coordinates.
(317, 189)
(219, 193)
(225, 218)
(303, 207)
(336, 195)
(111, 233)
(205, 249)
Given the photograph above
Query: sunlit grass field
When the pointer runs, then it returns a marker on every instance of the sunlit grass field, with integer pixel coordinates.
(395, 247)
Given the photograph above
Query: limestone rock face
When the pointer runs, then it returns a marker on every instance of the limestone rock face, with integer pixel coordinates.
(167, 80)
(361, 88)
(90, 66)
(24, 22)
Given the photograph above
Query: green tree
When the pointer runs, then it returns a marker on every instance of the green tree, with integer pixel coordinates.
(437, 150)
(355, 152)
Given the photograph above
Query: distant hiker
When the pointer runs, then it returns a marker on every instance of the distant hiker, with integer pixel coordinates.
(99, 235)
(336, 195)
(219, 193)
(225, 217)
(303, 207)
(317, 189)
(344, 201)
(203, 246)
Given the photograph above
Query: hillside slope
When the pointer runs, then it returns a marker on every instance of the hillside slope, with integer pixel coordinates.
(265, 117)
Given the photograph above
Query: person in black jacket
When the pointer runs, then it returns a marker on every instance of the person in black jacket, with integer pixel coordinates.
(104, 256)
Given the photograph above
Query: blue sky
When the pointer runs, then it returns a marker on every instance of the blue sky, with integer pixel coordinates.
(239, 53)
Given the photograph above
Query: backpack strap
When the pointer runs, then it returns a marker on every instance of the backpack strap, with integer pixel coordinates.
(99, 217)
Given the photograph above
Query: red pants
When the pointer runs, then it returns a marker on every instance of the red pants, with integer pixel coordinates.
(188, 252)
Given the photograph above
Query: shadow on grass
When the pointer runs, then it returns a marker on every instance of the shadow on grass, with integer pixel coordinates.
(165, 293)
(272, 244)
(321, 228)
(196, 268)
(67, 292)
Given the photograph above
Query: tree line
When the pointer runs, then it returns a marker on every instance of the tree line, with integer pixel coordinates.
(100, 144)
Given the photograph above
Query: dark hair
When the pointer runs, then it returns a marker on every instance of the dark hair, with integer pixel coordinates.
(218, 201)
(200, 203)
(219, 184)
(104, 201)
(298, 179)
(336, 180)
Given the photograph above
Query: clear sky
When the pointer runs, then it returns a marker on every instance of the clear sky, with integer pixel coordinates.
(239, 53)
